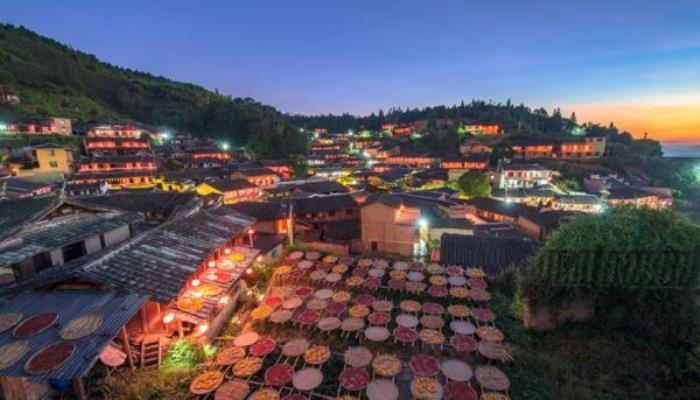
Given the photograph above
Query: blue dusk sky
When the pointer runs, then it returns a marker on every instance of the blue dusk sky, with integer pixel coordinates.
(634, 62)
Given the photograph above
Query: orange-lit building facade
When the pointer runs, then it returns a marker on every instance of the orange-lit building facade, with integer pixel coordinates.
(411, 160)
(114, 145)
(466, 163)
(261, 177)
(124, 163)
(478, 128)
(115, 130)
(402, 130)
(590, 147)
(42, 126)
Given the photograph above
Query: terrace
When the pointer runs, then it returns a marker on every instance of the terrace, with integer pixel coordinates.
(331, 327)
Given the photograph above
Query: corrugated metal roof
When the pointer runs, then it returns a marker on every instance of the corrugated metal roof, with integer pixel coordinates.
(115, 308)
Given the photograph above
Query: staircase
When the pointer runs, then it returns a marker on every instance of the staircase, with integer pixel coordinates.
(151, 351)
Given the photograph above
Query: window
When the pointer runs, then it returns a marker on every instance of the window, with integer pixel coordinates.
(331, 213)
(374, 246)
(349, 212)
(53, 164)
(51, 153)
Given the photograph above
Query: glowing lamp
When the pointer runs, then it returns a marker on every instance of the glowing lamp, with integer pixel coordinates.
(227, 251)
(259, 258)
(250, 231)
(212, 277)
(195, 282)
(168, 318)
(196, 294)
(249, 271)
(211, 264)
(422, 223)
(223, 300)
(203, 328)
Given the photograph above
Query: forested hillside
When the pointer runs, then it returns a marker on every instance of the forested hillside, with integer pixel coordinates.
(54, 79)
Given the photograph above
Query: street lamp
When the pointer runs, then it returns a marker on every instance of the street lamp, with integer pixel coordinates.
(250, 236)
(225, 146)
(423, 223)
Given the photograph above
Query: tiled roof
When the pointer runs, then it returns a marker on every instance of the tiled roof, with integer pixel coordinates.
(113, 174)
(48, 235)
(160, 261)
(225, 185)
(492, 254)
(14, 214)
(499, 207)
(115, 309)
(322, 187)
(578, 199)
(165, 203)
(323, 203)
(19, 185)
(261, 211)
(256, 171)
(549, 219)
(627, 193)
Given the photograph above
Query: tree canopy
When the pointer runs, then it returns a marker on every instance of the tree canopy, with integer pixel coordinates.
(474, 184)
(53, 79)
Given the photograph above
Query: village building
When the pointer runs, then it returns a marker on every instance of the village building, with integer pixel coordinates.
(399, 223)
(492, 210)
(525, 176)
(115, 145)
(281, 168)
(154, 207)
(43, 126)
(478, 162)
(631, 196)
(481, 128)
(414, 160)
(539, 224)
(231, 191)
(206, 157)
(587, 203)
(114, 130)
(469, 148)
(47, 232)
(19, 188)
(53, 159)
(271, 217)
(261, 177)
(493, 255)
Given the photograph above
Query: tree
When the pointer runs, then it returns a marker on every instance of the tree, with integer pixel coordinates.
(474, 184)
(501, 152)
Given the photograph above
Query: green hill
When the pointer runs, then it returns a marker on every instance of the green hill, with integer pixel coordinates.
(54, 79)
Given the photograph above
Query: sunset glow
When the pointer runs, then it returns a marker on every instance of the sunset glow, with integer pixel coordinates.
(666, 118)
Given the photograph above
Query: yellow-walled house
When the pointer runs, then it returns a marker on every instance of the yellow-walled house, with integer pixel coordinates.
(231, 190)
(53, 158)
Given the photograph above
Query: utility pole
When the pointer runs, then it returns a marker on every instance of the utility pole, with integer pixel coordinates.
(290, 224)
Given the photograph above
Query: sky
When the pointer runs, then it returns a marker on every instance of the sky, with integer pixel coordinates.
(636, 63)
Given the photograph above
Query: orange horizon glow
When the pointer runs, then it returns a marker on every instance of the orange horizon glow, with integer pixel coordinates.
(669, 119)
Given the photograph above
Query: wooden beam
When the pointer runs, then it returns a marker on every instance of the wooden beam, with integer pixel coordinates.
(79, 389)
(127, 348)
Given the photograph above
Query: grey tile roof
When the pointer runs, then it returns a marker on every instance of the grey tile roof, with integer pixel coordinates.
(491, 254)
(115, 308)
(14, 214)
(160, 261)
(165, 203)
(261, 211)
(52, 234)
